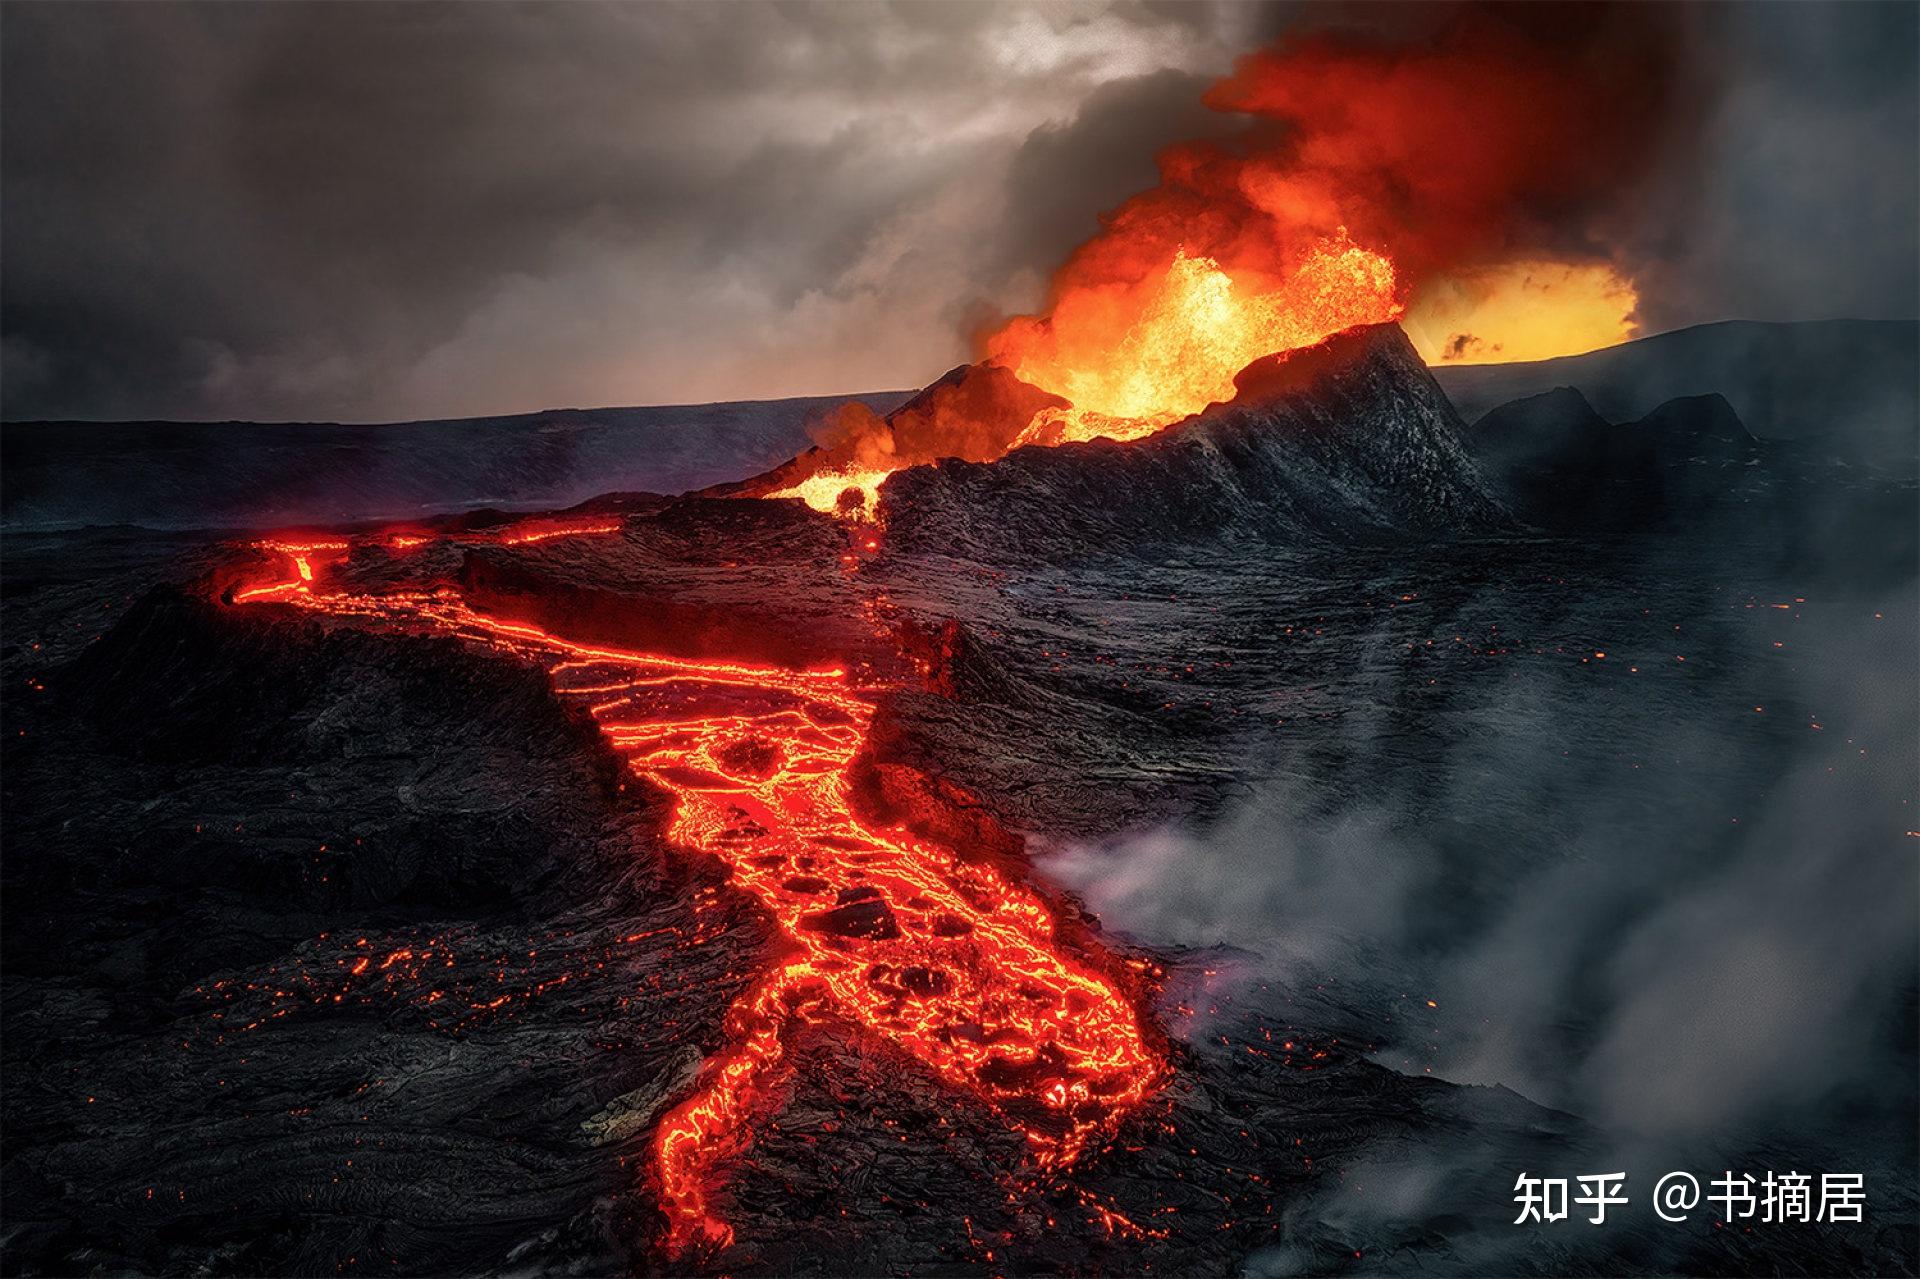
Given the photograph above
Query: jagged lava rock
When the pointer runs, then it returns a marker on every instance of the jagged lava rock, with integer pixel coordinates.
(1351, 440)
(974, 412)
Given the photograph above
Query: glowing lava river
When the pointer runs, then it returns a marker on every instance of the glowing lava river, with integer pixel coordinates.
(894, 935)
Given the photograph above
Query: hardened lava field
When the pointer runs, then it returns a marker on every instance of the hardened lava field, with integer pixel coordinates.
(714, 885)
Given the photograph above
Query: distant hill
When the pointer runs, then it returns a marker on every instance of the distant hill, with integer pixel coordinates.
(247, 474)
(1846, 386)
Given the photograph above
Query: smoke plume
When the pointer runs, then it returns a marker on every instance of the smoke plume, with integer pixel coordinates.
(1490, 142)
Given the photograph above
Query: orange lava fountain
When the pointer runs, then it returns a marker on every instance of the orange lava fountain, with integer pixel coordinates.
(1126, 359)
(901, 937)
(1134, 359)
(1465, 168)
(827, 491)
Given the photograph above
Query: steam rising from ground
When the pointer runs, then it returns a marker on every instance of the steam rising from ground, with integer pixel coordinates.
(1716, 943)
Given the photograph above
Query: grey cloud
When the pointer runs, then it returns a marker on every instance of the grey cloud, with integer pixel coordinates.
(304, 210)
(380, 210)
(1801, 197)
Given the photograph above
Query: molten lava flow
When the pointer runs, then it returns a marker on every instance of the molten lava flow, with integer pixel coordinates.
(829, 492)
(545, 530)
(896, 935)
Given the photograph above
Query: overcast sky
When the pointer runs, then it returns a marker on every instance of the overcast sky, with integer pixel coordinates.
(378, 212)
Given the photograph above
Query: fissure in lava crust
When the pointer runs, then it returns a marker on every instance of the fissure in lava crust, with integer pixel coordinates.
(886, 932)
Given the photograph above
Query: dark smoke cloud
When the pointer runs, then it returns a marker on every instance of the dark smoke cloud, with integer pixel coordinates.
(1494, 137)
(382, 211)
(392, 210)
(1800, 198)
(1096, 160)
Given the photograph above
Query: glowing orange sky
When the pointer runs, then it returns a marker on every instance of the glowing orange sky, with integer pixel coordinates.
(1522, 311)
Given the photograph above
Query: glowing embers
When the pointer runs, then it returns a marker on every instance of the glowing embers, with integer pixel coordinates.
(945, 960)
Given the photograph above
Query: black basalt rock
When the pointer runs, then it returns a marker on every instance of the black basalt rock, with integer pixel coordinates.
(1349, 441)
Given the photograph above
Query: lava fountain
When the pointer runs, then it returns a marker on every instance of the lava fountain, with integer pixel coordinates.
(1119, 361)
(1130, 360)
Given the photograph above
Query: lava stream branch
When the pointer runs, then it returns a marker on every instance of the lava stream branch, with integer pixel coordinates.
(711, 1126)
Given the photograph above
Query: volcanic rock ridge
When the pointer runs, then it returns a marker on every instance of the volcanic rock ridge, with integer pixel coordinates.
(1350, 440)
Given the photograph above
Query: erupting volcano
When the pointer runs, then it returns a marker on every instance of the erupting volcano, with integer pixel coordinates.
(1333, 700)
(922, 937)
(1130, 361)
(1123, 362)
(1369, 172)
(1230, 333)
(1204, 290)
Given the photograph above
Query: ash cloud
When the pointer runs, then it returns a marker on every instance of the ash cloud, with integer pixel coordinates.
(1800, 196)
(393, 211)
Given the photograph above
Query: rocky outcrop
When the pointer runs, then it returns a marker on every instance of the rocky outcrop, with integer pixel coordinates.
(1348, 441)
